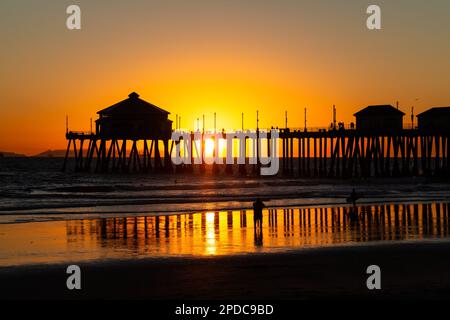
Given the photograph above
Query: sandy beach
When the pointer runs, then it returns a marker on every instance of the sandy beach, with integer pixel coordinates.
(409, 271)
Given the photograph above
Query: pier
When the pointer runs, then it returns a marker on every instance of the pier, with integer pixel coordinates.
(135, 136)
(327, 154)
(350, 153)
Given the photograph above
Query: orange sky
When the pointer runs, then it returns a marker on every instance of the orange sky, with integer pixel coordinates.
(200, 57)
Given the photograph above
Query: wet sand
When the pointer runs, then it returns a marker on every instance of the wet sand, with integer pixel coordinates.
(410, 270)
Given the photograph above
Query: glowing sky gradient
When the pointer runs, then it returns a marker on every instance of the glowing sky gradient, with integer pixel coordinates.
(199, 56)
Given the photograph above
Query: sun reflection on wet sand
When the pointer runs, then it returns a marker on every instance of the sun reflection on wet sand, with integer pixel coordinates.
(211, 247)
(218, 233)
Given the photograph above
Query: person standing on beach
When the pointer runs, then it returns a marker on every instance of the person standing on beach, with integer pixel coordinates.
(353, 197)
(258, 206)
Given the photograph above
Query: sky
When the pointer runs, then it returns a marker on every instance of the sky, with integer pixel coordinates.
(226, 56)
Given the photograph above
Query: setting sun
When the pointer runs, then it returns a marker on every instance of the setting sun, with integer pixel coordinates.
(209, 148)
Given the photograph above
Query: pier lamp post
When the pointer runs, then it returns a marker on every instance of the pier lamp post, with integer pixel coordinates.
(285, 119)
(334, 117)
(257, 120)
(305, 119)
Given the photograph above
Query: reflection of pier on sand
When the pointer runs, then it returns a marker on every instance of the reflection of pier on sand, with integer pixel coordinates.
(231, 232)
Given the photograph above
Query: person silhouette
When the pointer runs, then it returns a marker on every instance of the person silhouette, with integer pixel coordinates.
(258, 206)
(353, 197)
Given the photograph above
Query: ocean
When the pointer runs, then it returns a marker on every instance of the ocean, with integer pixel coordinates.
(51, 216)
(35, 189)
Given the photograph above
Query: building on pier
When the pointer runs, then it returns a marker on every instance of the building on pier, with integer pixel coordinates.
(133, 118)
(434, 120)
(379, 119)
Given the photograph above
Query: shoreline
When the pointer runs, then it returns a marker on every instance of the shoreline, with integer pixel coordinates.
(91, 215)
(51, 196)
(409, 270)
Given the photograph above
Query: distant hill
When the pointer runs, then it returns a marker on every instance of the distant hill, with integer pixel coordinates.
(53, 154)
(5, 154)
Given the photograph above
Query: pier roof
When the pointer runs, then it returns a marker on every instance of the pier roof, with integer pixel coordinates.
(436, 111)
(382, 109)
(133, 104)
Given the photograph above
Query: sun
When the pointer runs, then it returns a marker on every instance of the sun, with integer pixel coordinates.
(209, 148)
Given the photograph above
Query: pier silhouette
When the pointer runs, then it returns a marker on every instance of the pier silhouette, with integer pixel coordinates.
(378, 146)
